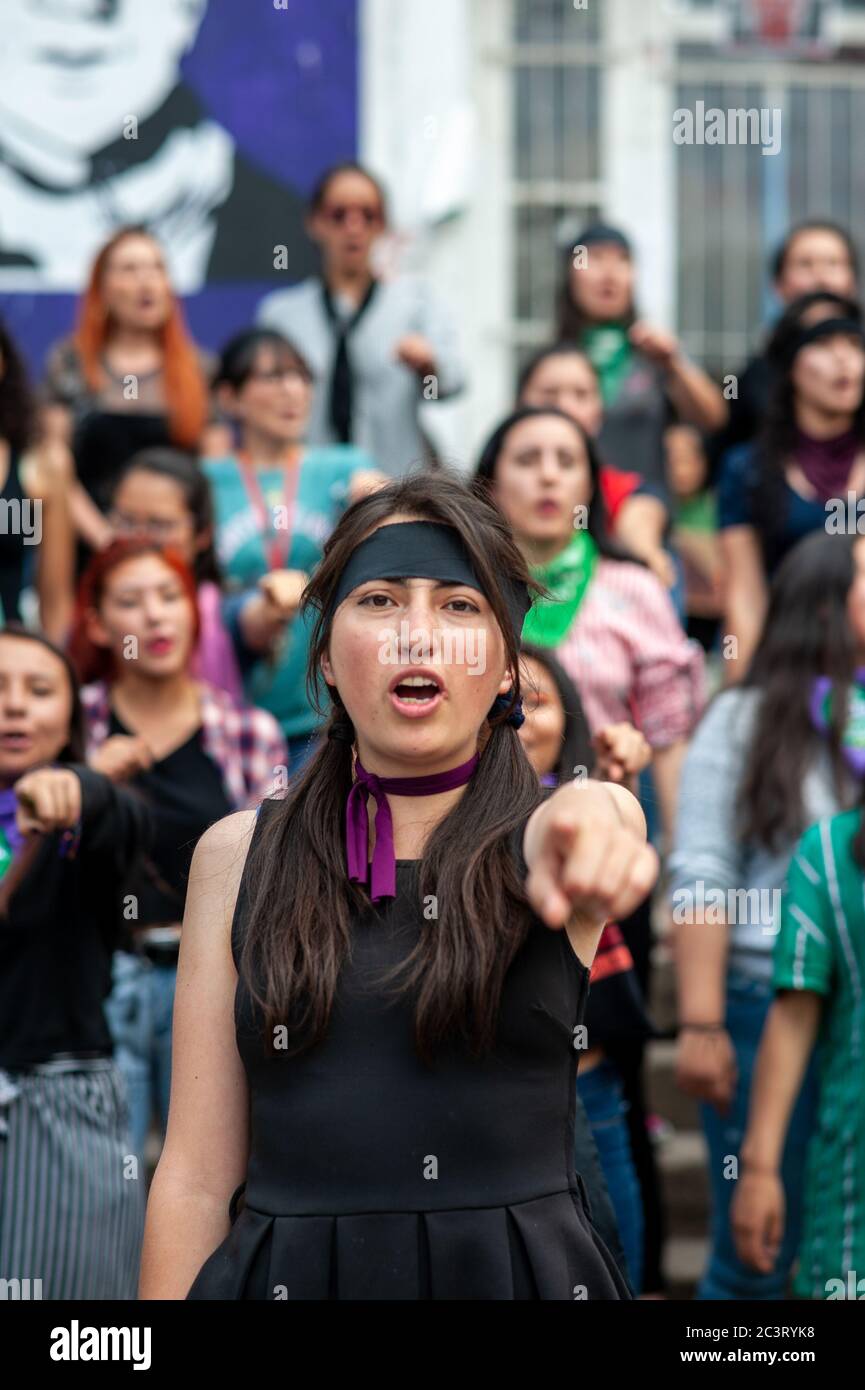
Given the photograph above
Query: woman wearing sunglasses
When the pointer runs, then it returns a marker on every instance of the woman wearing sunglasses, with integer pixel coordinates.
(378, 348)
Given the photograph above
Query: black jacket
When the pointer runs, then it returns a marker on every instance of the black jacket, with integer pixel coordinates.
(64, 921)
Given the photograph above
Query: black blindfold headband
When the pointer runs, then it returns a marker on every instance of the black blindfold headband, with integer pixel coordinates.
(423, 550)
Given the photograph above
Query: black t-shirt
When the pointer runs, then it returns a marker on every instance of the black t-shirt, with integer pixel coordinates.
(63, 923)
(186, 794)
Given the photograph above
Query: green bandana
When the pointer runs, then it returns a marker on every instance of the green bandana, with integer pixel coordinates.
(567, 576)
(611, 354)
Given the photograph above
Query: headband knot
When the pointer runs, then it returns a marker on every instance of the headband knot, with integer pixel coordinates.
(516, 718)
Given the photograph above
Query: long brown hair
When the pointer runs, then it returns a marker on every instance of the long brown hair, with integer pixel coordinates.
(806, 634)
(299, 928)
(185, 387)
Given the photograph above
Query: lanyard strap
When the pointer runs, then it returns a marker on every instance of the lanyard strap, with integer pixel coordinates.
(277, 547)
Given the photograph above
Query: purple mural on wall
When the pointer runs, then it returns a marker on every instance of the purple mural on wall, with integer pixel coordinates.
(207, 120)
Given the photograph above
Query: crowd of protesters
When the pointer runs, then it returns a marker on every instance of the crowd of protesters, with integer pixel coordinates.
(694, 644)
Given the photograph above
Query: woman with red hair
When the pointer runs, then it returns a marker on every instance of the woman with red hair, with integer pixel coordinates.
(129, 378)
(189, 749)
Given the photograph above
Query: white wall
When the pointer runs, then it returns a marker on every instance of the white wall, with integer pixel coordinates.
(435, 125)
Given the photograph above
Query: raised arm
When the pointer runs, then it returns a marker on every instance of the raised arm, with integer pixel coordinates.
(206, 1144)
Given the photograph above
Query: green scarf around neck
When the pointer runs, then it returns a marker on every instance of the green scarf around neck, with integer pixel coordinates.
(567, 577)
(609, 350)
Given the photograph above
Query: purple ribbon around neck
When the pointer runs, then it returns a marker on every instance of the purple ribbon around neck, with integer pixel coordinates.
(357, 820)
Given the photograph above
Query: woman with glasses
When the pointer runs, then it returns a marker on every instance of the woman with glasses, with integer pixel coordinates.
(275, 503)
(379, 348)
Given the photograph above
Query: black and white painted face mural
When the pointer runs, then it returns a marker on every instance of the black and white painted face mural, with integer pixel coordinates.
(98, 130)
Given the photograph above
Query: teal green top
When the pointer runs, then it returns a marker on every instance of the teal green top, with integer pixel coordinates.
(821, 947)
(279, 684)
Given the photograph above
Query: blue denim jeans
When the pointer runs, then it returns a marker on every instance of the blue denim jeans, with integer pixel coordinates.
(601, 1093)
(139, 1012)
(726, 1277)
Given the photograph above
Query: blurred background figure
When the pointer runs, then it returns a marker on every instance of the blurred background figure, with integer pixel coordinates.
(164, 495)
(758, 771)
(71, 1196)
(610, 622)
(814, 255)
(563, 376)
(130, 378)
(646, 380)
(276, 501)
(818, 1002)
(811, 449)
(188, 750)
(378, 347)
(36, 478)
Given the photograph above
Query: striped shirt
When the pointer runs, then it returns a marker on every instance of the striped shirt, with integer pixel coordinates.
(821, 947)
(629, 658)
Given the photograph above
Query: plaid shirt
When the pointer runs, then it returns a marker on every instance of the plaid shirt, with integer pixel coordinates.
(245, 743)
(629, 658)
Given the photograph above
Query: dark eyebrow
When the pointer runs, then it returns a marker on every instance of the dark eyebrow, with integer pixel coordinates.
(404, 579)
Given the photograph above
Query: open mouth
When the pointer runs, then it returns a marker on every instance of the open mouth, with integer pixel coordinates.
(417, 690)
(417, 693)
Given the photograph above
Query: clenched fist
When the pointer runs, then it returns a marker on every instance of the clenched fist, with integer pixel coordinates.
(121, 757)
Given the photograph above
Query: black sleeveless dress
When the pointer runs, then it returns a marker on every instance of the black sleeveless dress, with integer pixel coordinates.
(372, 1176)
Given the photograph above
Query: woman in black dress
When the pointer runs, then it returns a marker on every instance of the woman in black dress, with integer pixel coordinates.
(384, 1077)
